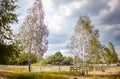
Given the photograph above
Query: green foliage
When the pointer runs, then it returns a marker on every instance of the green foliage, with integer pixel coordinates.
(7, 12)
(85, 40)
(114, 56)
(58, 59)
(8, 53)
(68, 61)
(107, 56)
(55, 59)
(7, 17)
(8, 46)
(110, 54)
(77, 59)
(23, 58)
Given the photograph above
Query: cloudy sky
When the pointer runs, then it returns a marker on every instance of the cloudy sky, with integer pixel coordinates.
(61, 17)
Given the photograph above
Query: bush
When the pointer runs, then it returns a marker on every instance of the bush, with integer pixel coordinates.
(23, 58)
(68, 61)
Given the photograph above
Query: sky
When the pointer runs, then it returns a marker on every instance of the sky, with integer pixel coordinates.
(61, 17)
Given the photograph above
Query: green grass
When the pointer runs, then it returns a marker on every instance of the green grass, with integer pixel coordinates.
(35, 76)
(17, 69)
(43, 75)
(75, 73)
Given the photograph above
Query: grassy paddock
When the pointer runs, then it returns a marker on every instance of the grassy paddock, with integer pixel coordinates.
(43, 75)
(35, 76)
(75, 73)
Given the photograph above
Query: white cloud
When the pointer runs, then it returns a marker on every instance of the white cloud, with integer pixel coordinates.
(113, 3)
(116, 33)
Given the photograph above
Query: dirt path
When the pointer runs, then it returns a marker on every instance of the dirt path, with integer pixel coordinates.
(3, 74)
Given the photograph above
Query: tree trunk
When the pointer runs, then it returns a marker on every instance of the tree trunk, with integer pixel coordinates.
(29, 63)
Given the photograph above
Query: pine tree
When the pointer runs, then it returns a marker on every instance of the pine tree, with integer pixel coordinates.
(8, 16)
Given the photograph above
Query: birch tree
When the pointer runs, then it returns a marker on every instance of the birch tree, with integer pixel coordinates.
(33, 33)
(85, 42)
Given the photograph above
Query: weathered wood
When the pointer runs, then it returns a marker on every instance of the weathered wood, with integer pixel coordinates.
(74, 68)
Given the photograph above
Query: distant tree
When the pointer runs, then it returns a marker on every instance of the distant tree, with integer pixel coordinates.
(50, 60)
(58, 57)
(8, 16)
(67, 61)
(33, 33)
(55, 59)
(23, 59)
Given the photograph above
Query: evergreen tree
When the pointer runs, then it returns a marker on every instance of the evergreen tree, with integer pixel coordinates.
(7, 17)
(8, 45)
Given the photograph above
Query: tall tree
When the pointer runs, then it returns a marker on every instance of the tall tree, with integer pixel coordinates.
(7, 39)
(107, 56)
(7, 17)
(114, 56)
(33, 33)
(85, 41)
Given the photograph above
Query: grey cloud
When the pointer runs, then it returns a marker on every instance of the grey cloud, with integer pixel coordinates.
(58, 3)
(92, 8)
(58, 38)
(116, 34)
(95, 6)
(113, 17)
(111, 34)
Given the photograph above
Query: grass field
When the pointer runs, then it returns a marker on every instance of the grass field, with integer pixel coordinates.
(52, 72)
